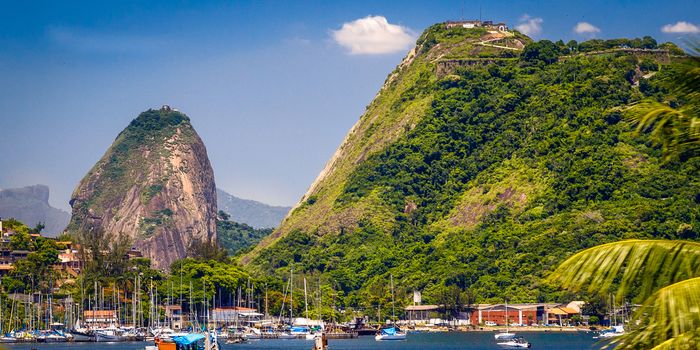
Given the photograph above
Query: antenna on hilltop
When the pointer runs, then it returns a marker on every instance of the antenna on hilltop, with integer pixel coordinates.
(462, 18)
(479, 12)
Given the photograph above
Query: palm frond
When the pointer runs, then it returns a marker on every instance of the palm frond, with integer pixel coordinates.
(689, 340)
(673, 128)
(676, 129)
(646, 264)
(673, 319)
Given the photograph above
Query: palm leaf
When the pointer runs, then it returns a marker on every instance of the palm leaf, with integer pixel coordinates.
(645, 264)
(687, 340)
(676, 129)
(673, 319)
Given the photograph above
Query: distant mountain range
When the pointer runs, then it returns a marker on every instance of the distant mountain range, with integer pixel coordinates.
(30, 205)
(250, 212)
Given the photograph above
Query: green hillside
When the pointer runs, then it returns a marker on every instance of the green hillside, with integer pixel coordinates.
(481, 165)
(237, 237)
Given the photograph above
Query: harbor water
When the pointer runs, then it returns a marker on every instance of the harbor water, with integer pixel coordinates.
(415, 341)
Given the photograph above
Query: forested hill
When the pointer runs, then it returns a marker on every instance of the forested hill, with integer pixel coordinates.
(250, 212)
(482, 164)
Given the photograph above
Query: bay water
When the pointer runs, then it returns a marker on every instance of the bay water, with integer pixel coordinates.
(415, 341)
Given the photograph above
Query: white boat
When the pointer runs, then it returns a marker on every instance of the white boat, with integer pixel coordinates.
(110, 334)
(514, 343)
(51, 338)
(286, 335)
(504, 335)
(251, 333)
(4, 339)
(392, 333)
(312, 336)
(616, 331)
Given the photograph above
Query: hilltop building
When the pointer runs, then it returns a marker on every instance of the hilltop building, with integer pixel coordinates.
(489, 25)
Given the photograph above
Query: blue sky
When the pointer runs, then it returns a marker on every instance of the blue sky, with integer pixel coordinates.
(271, 86)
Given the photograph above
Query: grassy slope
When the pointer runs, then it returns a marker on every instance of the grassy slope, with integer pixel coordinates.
(484, 179)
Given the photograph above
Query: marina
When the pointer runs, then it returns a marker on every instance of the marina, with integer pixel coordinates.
(414, 341)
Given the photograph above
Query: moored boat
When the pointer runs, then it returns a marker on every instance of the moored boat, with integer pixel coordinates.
(81, 335)
(391, 333)
(110, 334)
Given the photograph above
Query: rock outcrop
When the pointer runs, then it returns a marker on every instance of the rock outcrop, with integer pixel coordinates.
(154, 184)
(30, 205)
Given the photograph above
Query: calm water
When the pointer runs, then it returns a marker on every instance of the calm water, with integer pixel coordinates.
(420, 341)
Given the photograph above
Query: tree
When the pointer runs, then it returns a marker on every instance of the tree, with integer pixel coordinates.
(21, 241)
(543, 50)
(205, 250)
(38, 228)
(674, 125)
(664, 274)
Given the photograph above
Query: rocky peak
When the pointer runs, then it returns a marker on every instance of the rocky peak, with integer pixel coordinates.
(154, 184)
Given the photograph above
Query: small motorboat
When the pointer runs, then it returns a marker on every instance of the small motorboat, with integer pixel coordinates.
(514, 343)
(615, 331)
(391, 333)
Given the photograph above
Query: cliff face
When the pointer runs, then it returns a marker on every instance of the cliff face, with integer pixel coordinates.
(154, 184)
(30, 205)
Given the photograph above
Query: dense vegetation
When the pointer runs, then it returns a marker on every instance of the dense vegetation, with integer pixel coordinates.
(35, 273)
(236, 237)
(513, 166)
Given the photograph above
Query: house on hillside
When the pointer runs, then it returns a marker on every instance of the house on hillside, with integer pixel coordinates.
(100, 318)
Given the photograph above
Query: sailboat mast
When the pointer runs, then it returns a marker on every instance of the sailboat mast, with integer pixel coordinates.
(306, 301)
(393, 309)
(291, 295)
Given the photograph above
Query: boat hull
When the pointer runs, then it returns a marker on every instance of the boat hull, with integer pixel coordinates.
(82, 337)
(380, 337)
(107, 338)
(504, 335)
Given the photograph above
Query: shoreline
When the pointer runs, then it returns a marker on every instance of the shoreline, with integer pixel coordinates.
(502, 329)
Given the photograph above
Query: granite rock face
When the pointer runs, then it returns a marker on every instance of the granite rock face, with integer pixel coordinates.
(30, 205)
(154, 184)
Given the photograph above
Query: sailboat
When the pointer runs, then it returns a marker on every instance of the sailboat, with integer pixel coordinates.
(391, 333)
(506, 334)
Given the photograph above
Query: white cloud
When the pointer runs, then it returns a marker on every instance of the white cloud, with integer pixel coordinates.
(586, 28)
(530, 25)
(373, 35)
(682, 27)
